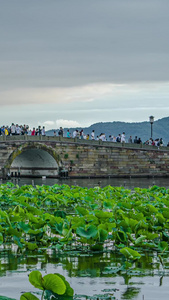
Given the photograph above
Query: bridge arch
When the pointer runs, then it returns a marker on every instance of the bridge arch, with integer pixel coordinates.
(34, 160)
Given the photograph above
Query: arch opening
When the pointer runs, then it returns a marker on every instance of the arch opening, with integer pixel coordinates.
(34, 163)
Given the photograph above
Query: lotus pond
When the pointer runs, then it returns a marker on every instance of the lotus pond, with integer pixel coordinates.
(109, 243)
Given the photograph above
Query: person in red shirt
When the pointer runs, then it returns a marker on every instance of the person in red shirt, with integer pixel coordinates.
(33, 131)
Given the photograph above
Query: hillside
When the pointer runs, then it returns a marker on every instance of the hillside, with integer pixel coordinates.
(141, 129)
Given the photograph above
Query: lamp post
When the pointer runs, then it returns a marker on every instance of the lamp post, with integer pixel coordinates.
(151, 119)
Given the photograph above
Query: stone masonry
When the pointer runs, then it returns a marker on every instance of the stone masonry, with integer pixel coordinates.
(82, 158)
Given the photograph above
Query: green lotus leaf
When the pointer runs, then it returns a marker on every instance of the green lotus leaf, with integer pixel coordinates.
(165, 236)
(35, 278)
(149, 245)
(69, 291)
(103, 234)
(77, 222)
(121, 236)
(152, 209)
(151, 236)
(31, 246)
(1, 239)
(130, 253)
(28, 296)
(140, 239)
(23, 226)
(132, 223)
(165, 213)
(18, 242)
(1, 229)
(35, 232)
(13, 231)
(163, 246)
(160, 218)
(108, 204)
(60, 213)
(15, 218)
(82, 211)
(54, 283)
(91, 219)
(103, 214)
(59, 228)
(89, 232)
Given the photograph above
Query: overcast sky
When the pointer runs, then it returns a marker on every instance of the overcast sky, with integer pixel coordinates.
(74, 62)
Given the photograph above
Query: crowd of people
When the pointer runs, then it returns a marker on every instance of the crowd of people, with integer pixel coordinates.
(120, 138)
(16, 129)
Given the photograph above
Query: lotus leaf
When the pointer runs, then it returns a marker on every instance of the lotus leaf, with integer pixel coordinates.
(31, 246)
(14, 232)
(69, 291)
(130, 253)
(82, 211)
(103, 234)
(23, 226)
(1, 238)
(35, 278)
(163, 246)
(28, 296)
(60, 213)
(140, 239)
(121, 236)
(54, 283)
(87, 232)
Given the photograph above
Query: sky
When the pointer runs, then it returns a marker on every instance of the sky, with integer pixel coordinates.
(73, 63)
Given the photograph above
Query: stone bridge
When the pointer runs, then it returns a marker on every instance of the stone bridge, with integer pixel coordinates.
(37, 156)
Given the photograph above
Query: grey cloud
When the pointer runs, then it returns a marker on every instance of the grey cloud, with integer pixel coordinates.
(64, 43)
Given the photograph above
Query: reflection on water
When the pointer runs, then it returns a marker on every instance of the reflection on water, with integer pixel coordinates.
(129, 183)
(88, 274)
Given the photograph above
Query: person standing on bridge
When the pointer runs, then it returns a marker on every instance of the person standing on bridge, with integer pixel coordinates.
(39, 130)
(13, 129)
(130, 139)
(92, 135)
(75, 133)
(18, 129)
(43, 131)
(123, 138)
(33, 131)
(68, 134)
(118, 138)
(81, 134)
(60, 132)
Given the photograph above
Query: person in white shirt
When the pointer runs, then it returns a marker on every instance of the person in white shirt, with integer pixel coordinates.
(43, 131)
(13, 129)
(102, 137)
(18, 129)
(92, 135)
(123, 137)
(75, 133)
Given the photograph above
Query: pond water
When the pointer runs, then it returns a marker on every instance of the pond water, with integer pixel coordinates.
(88, 274)
(129, 183)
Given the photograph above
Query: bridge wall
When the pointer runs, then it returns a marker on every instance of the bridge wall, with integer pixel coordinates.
(88, 158)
